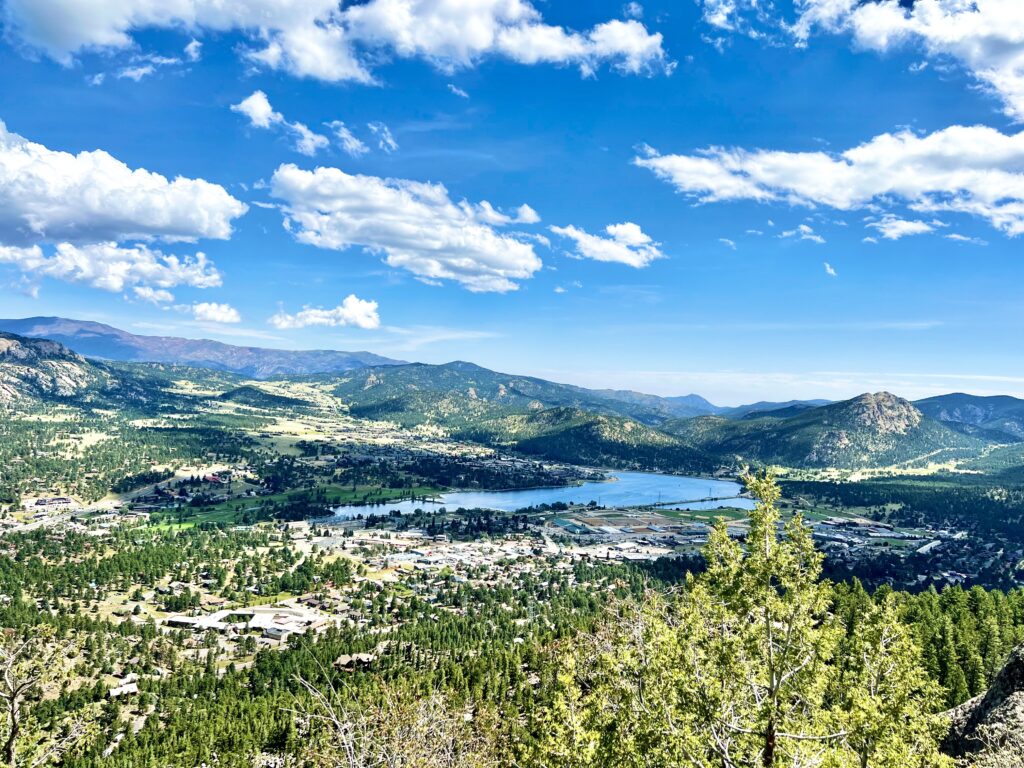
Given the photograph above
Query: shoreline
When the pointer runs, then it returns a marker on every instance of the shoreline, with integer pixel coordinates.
(610, 477)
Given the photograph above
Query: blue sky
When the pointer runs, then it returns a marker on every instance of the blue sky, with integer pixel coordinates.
(747, 204)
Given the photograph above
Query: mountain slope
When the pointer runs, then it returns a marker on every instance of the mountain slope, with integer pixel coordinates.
(679, 407)
(763, 406)
(36, 372)
(459, 394)
(572, 435)
(868, 431)
(38, 369)
(996, 417)
(554, 421)
(106, 342)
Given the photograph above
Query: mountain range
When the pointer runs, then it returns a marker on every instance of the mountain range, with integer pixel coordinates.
(557, 421)
(108, 343)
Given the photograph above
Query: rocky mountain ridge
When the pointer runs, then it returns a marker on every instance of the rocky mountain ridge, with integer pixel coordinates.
(97, 340)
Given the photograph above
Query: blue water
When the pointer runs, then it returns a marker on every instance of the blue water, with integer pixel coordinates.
(627, 489)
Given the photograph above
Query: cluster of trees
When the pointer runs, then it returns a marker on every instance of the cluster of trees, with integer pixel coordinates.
(752, 663)
(51, 451)
(981, 505)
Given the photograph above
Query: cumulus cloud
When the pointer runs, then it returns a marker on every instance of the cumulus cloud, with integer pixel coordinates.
(457, 91)
(626, 244)
(211, 312)
(720, 13)
(194, 50)
(91, 196)
(111, 267)
(352, 311)
(153, 295)
(323, 40)
(893, 227)
(986, 36)
(488, 214)
(965, 169)
(65, 217)
(415, 225)
(830, 270)
(257, 108)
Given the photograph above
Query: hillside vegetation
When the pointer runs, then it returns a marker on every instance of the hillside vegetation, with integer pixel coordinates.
(876, 430)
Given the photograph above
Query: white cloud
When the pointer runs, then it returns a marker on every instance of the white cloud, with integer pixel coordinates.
(93, 197)
(323, 40)
(62, 216)
(893, 228)
(414, 224)
(958, 238)
(257, 108)
(720, 13)
(627, 244)
(966, 169)
(136, 73)
(194, 50)
(111, 267)
(633, 10)
(986, 36)
(153, 295)
(804, 232)
(727, 242)
(488, 214)
(526, 215)
(351, 311)
(348, 140)
(457, 91)
(748, 17)
(830, 270)
(384, 138)
(211, 312)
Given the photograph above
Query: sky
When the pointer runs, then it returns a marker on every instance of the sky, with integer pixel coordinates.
(743, 199)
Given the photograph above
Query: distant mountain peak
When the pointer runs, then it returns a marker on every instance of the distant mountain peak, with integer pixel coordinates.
(884, 412)
(102, 341)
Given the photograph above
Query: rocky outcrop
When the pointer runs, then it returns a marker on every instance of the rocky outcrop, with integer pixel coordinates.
(34, 368)
(884, 413)
(991, 724)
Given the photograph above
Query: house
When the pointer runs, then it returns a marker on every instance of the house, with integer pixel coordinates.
(124, 690)
(356, 660)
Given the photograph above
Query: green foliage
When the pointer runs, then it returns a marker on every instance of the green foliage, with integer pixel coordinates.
(749, 665)
(869, 431)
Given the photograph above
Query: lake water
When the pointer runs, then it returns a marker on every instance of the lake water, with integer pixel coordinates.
(627, 489)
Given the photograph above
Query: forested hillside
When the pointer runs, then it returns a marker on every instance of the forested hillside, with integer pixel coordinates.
(869, 431)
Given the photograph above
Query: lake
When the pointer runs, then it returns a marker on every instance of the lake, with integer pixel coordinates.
(627, 489)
